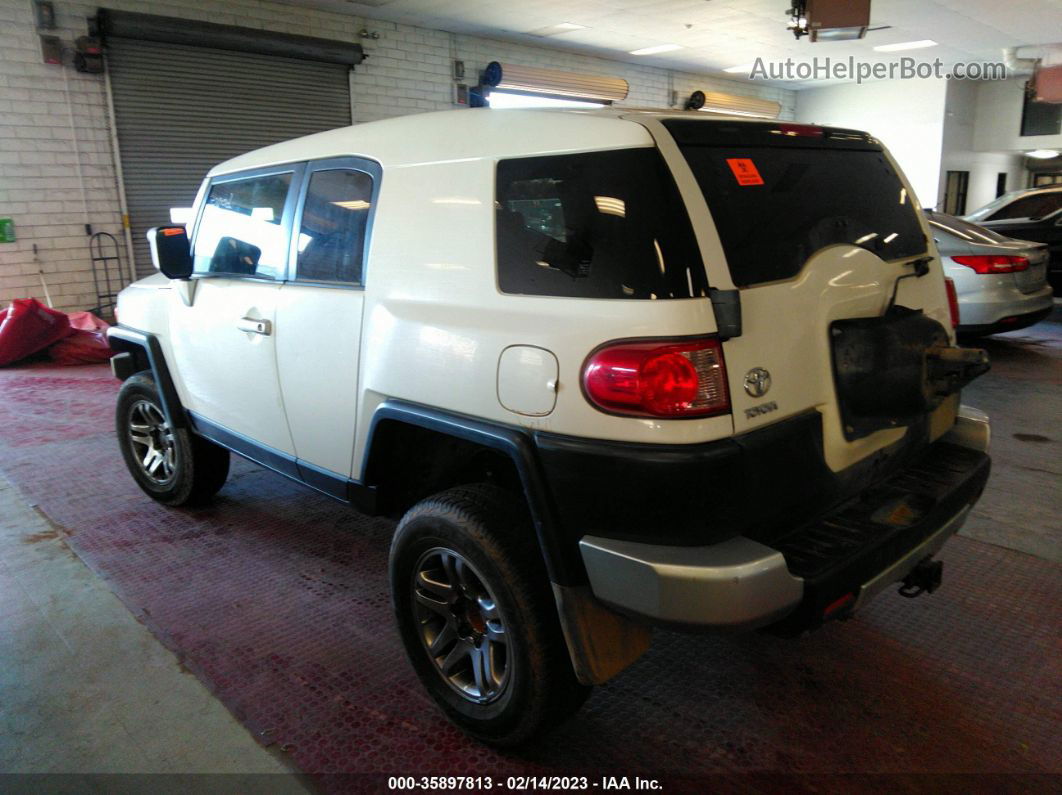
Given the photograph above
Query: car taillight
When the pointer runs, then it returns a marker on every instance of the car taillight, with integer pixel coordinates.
(658, 379)
(993, 263)
(953, 302)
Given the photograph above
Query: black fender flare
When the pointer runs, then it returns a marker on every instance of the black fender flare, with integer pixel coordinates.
(563, 563)
(140, 350)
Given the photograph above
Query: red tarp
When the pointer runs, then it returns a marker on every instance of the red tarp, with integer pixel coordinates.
(86, 344)
(28, 327)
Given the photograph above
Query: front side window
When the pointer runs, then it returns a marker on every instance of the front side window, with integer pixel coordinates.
(595, 225)
(242, 232)
(331, 240)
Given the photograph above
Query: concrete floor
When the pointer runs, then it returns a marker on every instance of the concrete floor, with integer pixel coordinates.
(85, 688)
(1022, 505)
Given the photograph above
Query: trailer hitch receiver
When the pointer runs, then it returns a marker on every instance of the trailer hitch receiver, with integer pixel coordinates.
(924, 578)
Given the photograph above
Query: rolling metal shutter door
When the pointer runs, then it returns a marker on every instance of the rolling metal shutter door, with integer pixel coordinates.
(181, 110)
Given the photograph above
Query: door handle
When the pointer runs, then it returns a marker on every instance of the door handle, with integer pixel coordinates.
(255, 326)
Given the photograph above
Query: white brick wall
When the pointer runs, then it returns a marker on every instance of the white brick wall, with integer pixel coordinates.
(408, 71)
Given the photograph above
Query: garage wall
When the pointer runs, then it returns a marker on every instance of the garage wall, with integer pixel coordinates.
(409, 70)
(56, 167)
(53, 125)
(906, 115)
(999, 105)
(958, 152)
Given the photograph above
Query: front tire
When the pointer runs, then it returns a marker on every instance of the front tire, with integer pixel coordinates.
(170, 465)
(476, 616)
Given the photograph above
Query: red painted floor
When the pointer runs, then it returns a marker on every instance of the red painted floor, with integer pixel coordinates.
(277, 599)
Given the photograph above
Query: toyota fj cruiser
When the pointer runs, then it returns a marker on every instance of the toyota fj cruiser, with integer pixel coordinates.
(612, 369)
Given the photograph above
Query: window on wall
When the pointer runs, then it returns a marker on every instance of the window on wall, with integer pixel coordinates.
(511, 99)
(242, 232)
(331, 241)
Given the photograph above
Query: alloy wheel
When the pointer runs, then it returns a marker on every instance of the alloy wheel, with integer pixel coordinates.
(460, 625)
(154, 447)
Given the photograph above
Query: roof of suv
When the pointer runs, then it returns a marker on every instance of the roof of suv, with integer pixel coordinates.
(466, 134)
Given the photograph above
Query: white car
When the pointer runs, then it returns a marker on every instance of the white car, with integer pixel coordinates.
(613, 369)
(1001, 283)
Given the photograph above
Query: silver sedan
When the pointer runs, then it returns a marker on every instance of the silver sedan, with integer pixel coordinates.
(1001, 282)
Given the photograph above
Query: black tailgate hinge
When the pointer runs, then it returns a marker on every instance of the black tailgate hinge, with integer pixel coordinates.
(727, 306)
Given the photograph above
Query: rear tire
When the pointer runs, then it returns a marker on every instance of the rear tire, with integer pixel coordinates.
(477, 617)
(171, 465)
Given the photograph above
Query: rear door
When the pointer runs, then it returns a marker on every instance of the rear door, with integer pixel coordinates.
(319, 315)
(224, 338)
(815, 227)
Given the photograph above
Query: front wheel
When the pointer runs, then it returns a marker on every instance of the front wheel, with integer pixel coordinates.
(170, 464)
(477, 618)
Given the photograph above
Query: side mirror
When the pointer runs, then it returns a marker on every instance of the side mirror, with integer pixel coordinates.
(170, 251)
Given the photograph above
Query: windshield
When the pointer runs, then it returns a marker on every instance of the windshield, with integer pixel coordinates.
(992, 206)
(1034, 206)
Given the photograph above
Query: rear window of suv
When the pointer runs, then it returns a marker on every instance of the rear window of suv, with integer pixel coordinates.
(776, 203)
(595, 225)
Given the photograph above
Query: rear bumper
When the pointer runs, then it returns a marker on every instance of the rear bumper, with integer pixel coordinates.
(1006, 323)
(843, 558)
(1008, 308)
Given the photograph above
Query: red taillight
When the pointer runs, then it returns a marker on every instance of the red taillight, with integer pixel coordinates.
(658, 379)
(953, 302)
(993, 263)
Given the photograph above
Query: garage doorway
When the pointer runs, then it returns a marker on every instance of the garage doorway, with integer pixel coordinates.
(180, 110)
(955, 189)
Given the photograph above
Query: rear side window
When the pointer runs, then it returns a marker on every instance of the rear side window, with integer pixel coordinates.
(331, 241)
(241, 231)
(595, 225)
(774, 207)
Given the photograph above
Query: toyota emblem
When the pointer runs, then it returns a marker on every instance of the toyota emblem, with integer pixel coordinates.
(757, 382)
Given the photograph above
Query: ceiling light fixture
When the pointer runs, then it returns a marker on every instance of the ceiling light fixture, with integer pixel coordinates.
(656, 48)
(745, 68)
(1042, 154)
(556, 30)
(906, 45)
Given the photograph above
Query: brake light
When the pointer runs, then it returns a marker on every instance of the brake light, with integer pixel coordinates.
(806, 130)
(993, 263)
(838, 604)
(658, 379)
(953, 302)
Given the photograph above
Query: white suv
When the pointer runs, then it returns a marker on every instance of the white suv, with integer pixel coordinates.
(612, 369)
